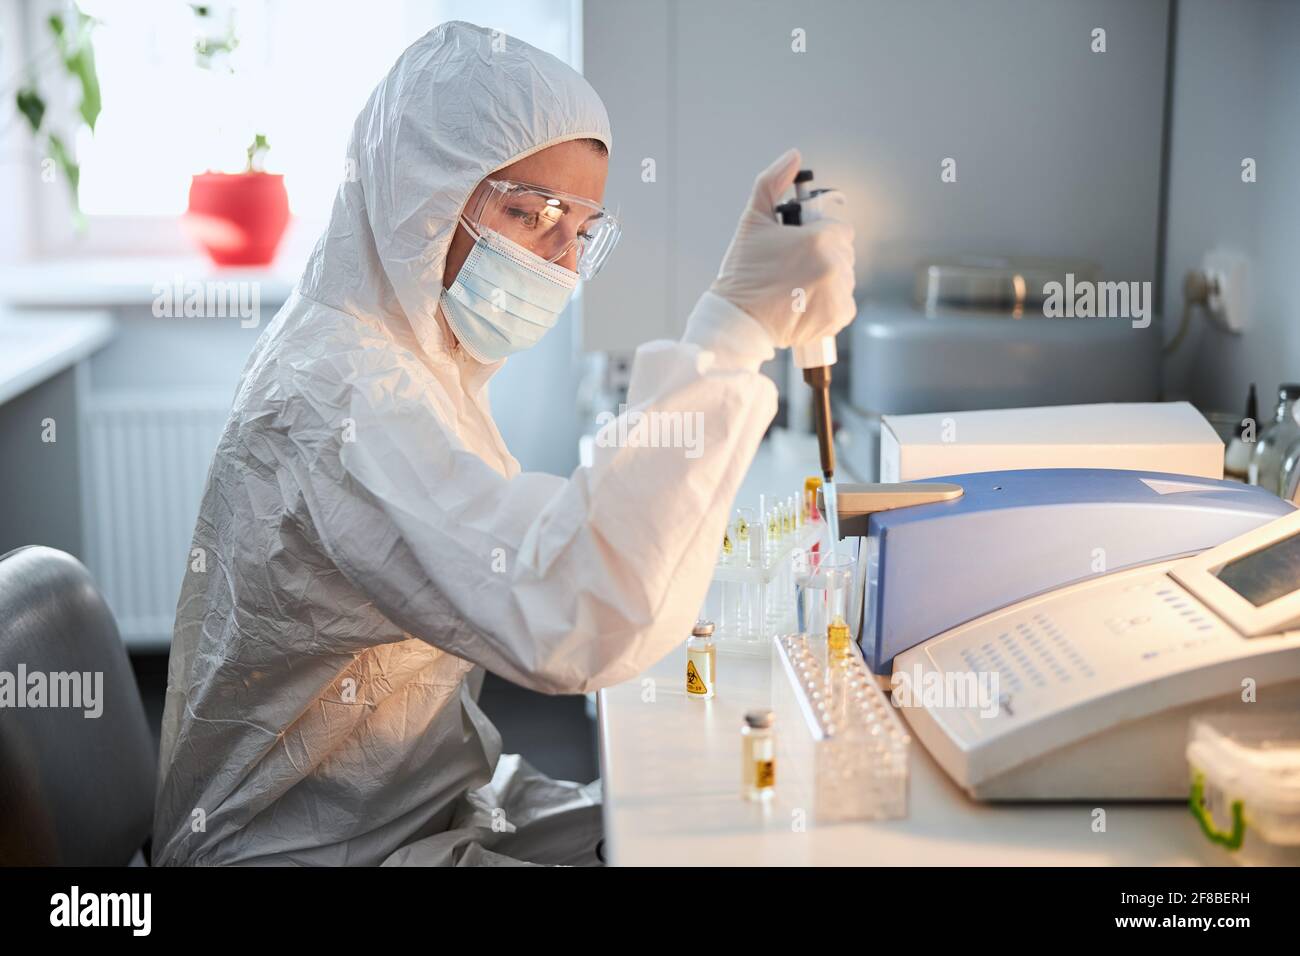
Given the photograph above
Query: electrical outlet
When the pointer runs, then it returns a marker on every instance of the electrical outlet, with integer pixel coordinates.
(1229, 292)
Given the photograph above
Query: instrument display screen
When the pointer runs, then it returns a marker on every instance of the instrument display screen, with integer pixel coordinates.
(1263, 576)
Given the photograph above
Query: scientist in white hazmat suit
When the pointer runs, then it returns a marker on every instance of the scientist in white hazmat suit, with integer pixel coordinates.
(367, 546)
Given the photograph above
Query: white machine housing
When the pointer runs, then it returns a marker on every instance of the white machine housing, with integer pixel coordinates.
(1097, 681)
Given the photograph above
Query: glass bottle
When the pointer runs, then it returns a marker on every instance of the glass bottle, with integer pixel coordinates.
(758, 756)
(1289, 482)
(701, 662)
(1266, 460)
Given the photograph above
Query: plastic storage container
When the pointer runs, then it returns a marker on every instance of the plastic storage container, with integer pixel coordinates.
(1245, 771)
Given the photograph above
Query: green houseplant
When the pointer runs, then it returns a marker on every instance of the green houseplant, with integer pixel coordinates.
(71, 43)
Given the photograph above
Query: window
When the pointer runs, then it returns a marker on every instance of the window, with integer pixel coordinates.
(301, 71)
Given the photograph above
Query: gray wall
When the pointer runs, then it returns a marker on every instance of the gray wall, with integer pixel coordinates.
(1058, 149)
(1237, 94)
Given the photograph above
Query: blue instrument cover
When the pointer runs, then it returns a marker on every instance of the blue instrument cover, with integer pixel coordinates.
(1015, 534)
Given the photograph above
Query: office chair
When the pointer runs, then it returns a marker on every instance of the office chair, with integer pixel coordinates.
(74, 790)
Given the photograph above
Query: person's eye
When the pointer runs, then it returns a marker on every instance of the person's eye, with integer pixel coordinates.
(525, 217)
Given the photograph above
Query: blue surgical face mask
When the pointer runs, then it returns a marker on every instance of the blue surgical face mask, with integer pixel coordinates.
(505, 298)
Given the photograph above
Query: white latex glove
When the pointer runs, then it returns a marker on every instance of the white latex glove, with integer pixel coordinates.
(767, 261)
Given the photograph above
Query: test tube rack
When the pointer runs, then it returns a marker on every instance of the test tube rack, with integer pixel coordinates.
(841, 749)
(752, 596)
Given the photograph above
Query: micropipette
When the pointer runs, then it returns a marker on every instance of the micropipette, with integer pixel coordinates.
(816, 358)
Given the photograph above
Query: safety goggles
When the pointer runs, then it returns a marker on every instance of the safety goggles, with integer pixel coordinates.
(547, 223)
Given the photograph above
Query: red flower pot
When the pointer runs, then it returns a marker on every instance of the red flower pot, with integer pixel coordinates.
(238, 219)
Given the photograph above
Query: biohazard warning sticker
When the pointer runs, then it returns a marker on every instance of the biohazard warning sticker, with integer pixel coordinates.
(694, 684)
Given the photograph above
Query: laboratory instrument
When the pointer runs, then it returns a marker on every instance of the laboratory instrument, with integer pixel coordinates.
(1136, 436)
(757, 756)
(1245, 783)
(815, 358)
(701, 662)
(1283, 431)
(974, 337)
(1094, 682)
(1013, 534)
(842, 748)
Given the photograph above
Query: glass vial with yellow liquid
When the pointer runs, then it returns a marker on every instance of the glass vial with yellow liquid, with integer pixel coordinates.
(811, 486)
(837, 571)
(757, 756)
(701, 662)
(838, 638)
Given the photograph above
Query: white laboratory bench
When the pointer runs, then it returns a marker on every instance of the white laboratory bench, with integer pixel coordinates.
(43, 359)
(671, 771)
(35, 347)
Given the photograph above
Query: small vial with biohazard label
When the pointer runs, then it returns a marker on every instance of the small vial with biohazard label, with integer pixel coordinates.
(758, 756)
(701, 662)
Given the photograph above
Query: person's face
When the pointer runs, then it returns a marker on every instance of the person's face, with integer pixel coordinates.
(575, 167)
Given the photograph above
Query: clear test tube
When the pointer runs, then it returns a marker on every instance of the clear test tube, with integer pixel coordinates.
(726, 610)
(773, 530)
(824, 596)
(739, 596)
(743, 526)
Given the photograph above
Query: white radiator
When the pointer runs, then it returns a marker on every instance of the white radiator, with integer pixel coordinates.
(145, 460)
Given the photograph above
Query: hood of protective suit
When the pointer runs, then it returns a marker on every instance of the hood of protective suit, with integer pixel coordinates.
(459, 104)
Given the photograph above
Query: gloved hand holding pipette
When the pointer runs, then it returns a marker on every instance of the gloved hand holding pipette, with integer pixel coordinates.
(797, 283)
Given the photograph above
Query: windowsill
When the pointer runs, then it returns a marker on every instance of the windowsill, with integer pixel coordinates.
(129, 281)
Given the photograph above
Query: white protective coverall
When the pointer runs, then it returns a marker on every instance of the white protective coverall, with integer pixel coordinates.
(366, 545)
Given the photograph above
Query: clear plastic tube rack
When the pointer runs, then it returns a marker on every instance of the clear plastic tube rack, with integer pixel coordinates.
(841, 747)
